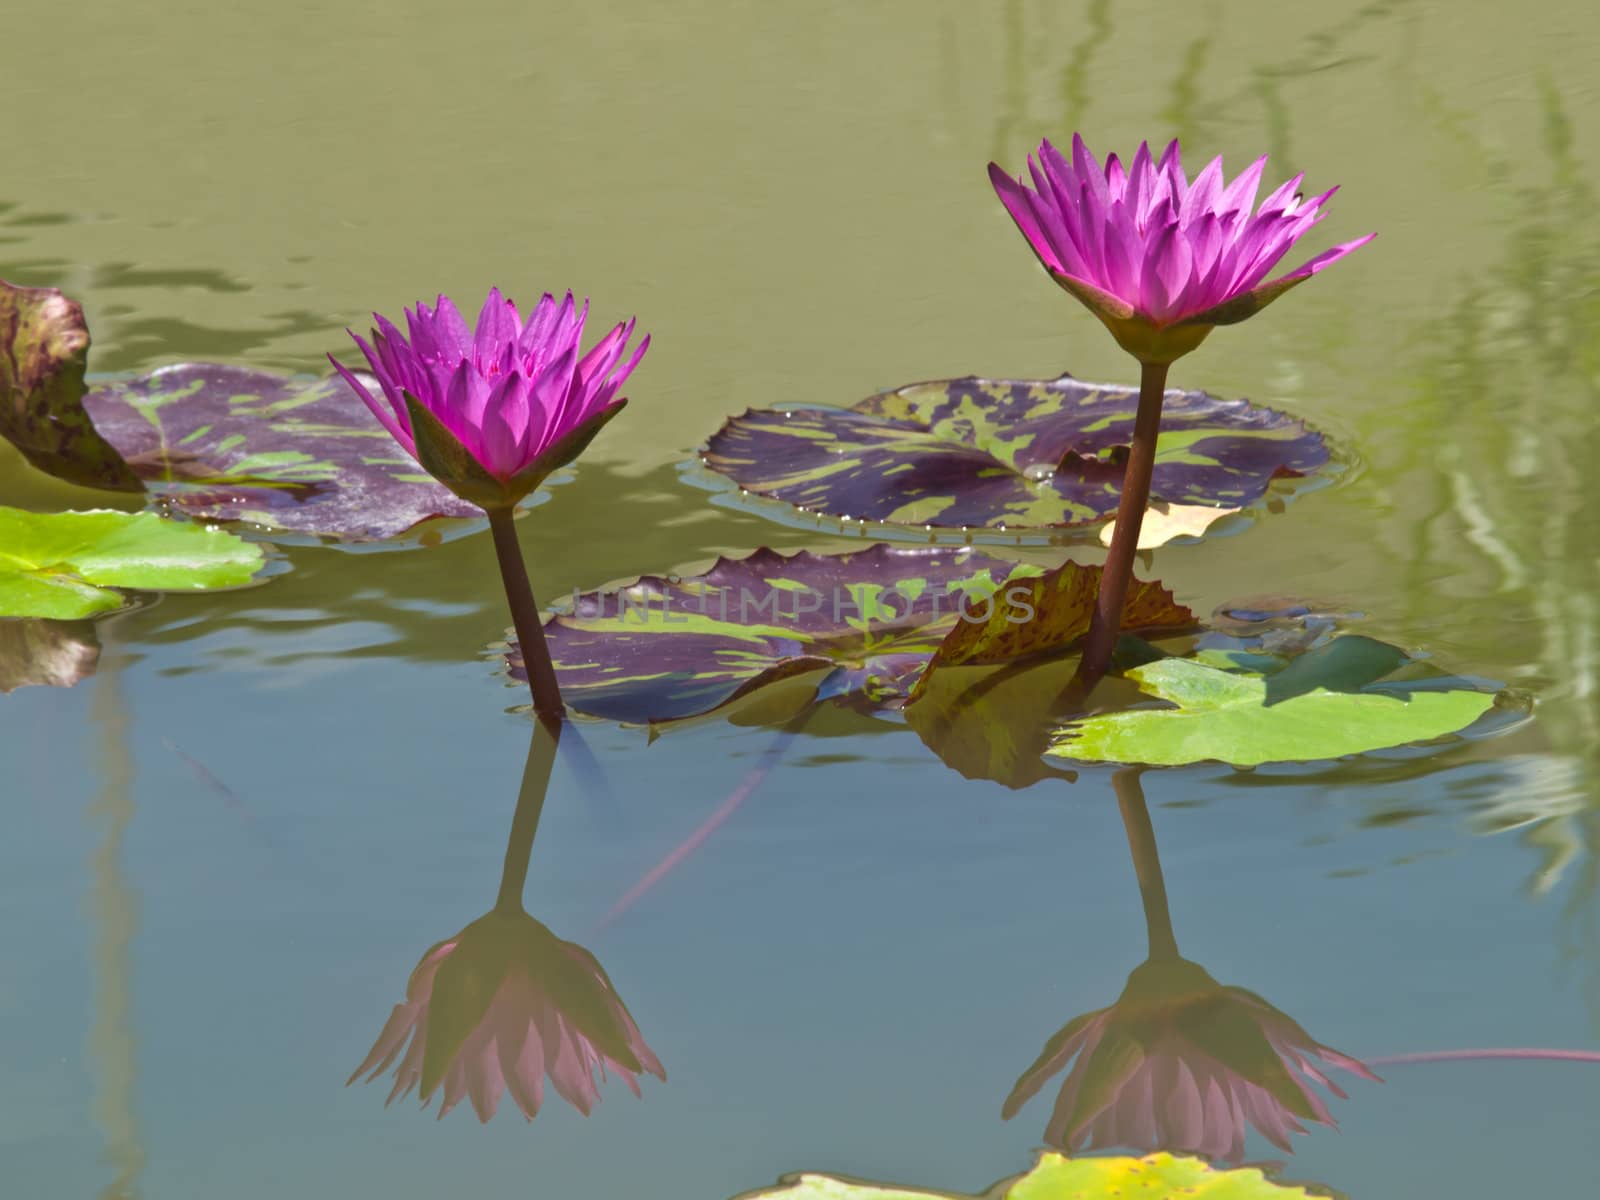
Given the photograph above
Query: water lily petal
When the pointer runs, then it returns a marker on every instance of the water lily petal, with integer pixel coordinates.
(1165, 272)
(1239, 195)
(450, 332)
(381, 409)
(602, 396)
(1203, 193)
(497, 327)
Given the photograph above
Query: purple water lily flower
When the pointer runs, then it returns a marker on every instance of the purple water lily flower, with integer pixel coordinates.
(513, 399)
(1160, 259)
(490, 412)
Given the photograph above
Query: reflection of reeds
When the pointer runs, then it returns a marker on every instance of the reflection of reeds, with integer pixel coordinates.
(1191, 110)
(1503, 426)
(114, 911)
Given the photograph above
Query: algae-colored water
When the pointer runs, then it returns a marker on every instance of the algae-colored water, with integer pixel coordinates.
(227, 850)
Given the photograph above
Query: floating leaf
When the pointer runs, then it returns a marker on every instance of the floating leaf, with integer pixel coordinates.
(63, 565)
(298, 454)
(1232, 716)
(664, 649)
(215, 442)
(52, 653)
(1154, 1177)
(1049, 612)
(1008, 454)
(44, 348)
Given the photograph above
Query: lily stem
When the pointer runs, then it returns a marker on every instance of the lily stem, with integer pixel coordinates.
(1146, 861)
(1118, 571)
(525, 617)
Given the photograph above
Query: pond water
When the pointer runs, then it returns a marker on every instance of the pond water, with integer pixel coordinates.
(229, 848)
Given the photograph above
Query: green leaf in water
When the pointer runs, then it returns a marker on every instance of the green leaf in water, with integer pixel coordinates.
(63, 565)
(1246, 719)
(1056, 1177)
(1154, 1177)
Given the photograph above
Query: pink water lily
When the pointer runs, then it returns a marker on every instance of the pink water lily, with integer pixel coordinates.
(515, 395)
(490, 412)
(499, 1008)
(1160, 259)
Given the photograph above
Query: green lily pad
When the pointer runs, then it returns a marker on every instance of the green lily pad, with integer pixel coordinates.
(1055, 1177)
(1008, 455)
(65, 565)
(1154, 1177)
(1334, 706)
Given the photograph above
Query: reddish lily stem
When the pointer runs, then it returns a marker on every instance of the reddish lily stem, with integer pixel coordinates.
(525, 616)
(1519, 1054)
(1146, 861)
(1107, 620)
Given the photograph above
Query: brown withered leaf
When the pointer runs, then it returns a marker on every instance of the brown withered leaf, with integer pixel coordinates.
(1047, 613)
(44, 348)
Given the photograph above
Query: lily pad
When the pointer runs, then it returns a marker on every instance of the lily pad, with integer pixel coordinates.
(48, 653)
(1334, 706)
(218, 443)
(1056, 1177)
(290, 453)
(1009, 455)
(66, 565)
(668, 648)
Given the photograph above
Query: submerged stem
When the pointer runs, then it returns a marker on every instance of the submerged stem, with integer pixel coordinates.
(1118, 571)
(525, 616)
(1146, 861)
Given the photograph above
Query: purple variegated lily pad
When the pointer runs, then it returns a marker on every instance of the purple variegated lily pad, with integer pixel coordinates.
(1007, 454)
(304, 455)
(667, 648)
(213, 442)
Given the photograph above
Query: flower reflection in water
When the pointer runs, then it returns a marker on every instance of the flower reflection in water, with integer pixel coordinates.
(506, 1002)
(1180, 1062)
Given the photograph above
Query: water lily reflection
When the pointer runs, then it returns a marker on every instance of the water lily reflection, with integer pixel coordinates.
(1180, 1062)
(506, 1002)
